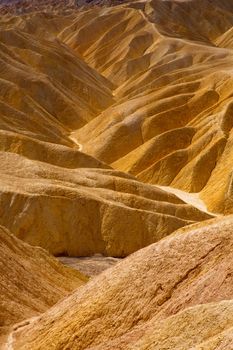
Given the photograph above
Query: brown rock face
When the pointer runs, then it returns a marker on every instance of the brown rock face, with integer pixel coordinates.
(31, 280)
(151, 300)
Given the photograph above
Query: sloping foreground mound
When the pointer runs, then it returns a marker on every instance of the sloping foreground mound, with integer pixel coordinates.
(31, 280)
(83, 211)
(202, 327)
(151, 300)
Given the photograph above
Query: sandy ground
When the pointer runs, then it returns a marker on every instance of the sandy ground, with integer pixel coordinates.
(190, 198)
(90, 266)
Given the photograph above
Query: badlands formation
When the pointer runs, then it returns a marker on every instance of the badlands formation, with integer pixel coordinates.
(31, 280)
(116, 140)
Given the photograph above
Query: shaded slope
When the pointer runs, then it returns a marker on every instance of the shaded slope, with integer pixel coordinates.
(46, 85)
(31, 280)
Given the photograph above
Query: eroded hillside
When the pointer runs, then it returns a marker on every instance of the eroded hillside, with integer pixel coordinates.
(116, 134)
(31, 281)
(166, 296)
(104, 88)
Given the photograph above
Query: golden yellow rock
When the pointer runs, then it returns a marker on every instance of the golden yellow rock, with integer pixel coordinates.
(82, 211)
(61, 198)
(134, 302)
(31, 280)
(171, 123)
(122, 85)
(116, 133)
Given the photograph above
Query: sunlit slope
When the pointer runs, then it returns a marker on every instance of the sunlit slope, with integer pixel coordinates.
(81, 211)
(98, 102)
(172, 119)
(116, 134)
(31, 280)
(167, 296)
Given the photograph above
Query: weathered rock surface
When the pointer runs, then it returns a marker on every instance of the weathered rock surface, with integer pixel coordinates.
(115, 133)
(31, 280)
(146, 72)
(147, 297)
(83, 211)
(68, 88)
(170, 62)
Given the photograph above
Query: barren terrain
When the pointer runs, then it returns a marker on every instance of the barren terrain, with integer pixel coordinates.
(116, 151)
